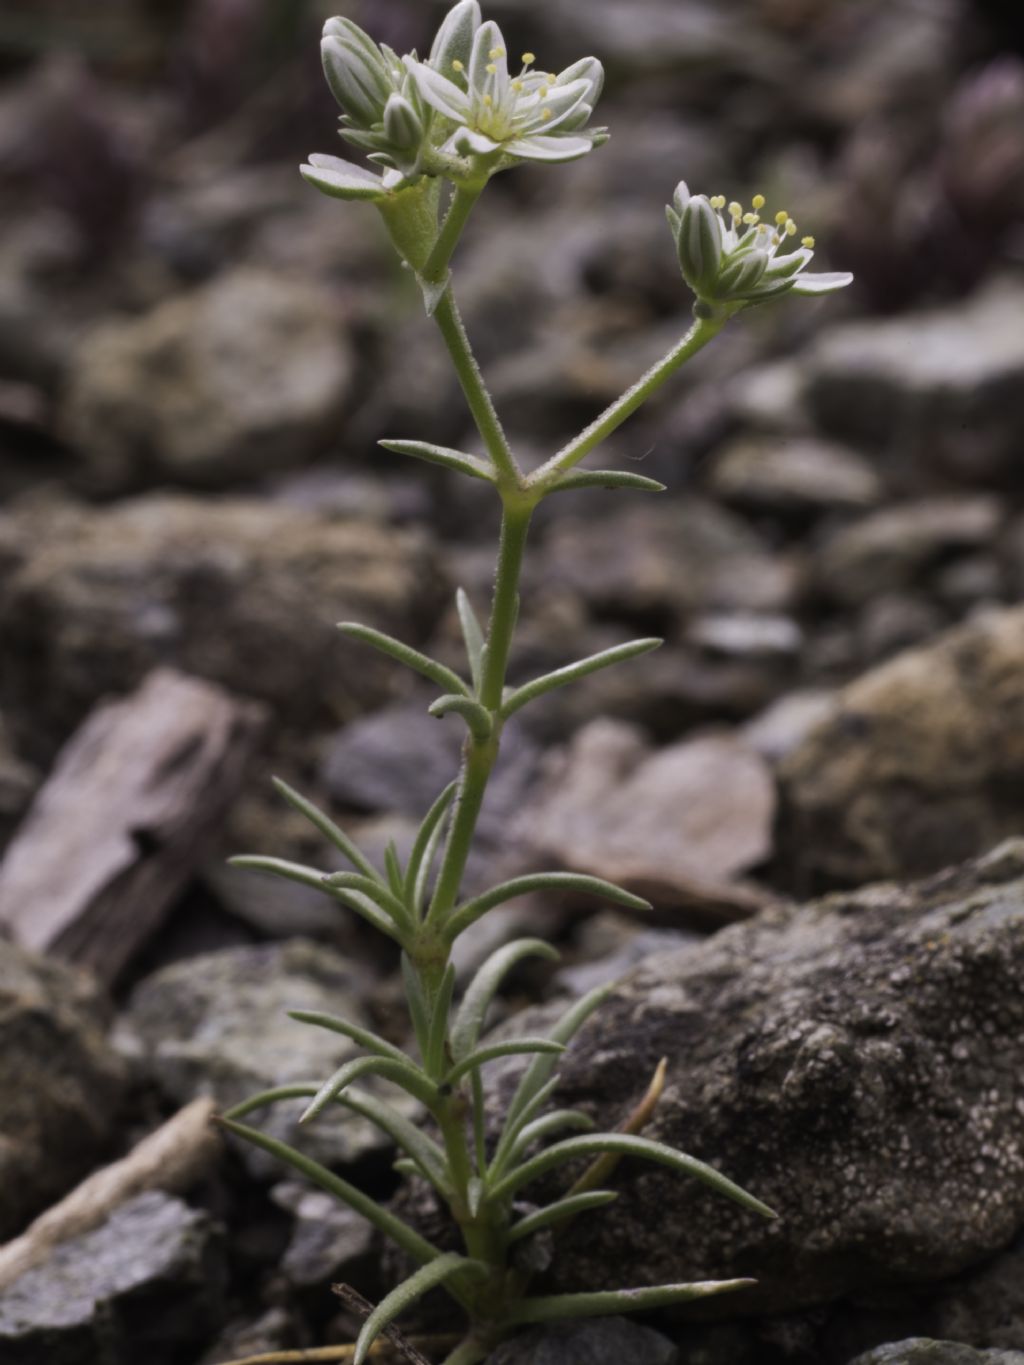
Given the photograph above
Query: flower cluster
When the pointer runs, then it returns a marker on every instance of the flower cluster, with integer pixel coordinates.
(460, 114)
(732, 256)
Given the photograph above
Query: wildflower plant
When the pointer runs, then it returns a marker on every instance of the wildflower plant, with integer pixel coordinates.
(435, 132)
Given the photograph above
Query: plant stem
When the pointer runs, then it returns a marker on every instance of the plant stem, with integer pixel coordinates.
(463, 201)
(470, 1352)
(449, 320)
(702, 331)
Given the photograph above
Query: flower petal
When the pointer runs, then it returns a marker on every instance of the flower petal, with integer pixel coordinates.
(438, 91)
(454, 41)
(341, 179)
(467, 141)
(826, 283)
(539, 148)
(488, 39)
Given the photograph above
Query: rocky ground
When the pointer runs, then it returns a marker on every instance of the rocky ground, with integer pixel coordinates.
(818, 780)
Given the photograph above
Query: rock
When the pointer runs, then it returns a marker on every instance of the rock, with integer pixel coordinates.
(894, 548)
(218, 1025)
(938, 390)
(986, 1306)
(609, 944)
(679, 825)
(148, 1284)
(273, 1331)
(919, 764)
(920, 1351)
(896, 621)
(331, 1242)
(60, 1080)
(19, 782)
(241, 376)
(94, 599)
(600, 1341)
(852, 1062)
(784, 725)
(795, 478)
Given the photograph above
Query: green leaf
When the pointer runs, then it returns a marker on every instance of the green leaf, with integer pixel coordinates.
(471, 911)
(607, 478)
(309, 876)
(381, 895)
(417, 1002)
(427, 1156)
(437, 1037)
(412, 658)
(471, 1014)
(542, 1128)
(559, 1212)
(297, 1090)
(403, 1074)
(327, 827)
(442, 455)
(478, 718)
(371, 1041)
(475, 1191)
(410, 1291)
(384, 1221)
(563, 676)
(419, 893)
(623, 1144)
(472, 634)
(394, 870)
(600, 1304)
(418, 858)
(513, 1047)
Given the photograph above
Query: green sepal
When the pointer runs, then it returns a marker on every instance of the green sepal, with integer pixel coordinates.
(478, 719)
(405, 654)
(559, 1212)
(472, 1013)
(382, 1219)
(561, 677)
(444, 456)
(438, 1272)
(472, 910)
(601, 1304)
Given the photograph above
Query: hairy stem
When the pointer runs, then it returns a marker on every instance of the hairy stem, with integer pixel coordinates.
(449, 321)
(463, 201)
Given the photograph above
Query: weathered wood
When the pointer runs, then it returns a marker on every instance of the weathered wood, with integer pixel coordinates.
(124, 819)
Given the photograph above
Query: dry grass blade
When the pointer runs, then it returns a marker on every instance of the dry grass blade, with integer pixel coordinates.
(597, 1173)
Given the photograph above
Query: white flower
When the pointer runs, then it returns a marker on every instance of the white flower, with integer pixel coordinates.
(532, 116)
(728, 255)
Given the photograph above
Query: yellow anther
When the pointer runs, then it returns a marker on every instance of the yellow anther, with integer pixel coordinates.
(758, 201)
(496, 52)
(457, 65)
(782, 217)
(776, 239)
(717, 201)
(492, 70)
(808, 242)
(547, 114)
(545, 92)
(736, 210)
(529, 58)
(751, 218)
(790, 228)
(518, 86)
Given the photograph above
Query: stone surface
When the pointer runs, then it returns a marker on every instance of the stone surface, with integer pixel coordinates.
(60, 1080)
(93, 598)
(602, 1341)
(798, 477)
(330, 1242)
(218, 1025)
(243, 375)
(920, 762)
(919, 1351)
(853, 1062)
(940, 388)
(147, 1284)
(679, 825)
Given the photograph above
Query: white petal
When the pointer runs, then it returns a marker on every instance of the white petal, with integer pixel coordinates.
(822, 284)
(561, 104)
(341, 179)
(438, 91)
(488, 39)
(538, 148)
(468, 140)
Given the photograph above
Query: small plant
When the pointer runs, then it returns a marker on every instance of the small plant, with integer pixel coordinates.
(436, 131)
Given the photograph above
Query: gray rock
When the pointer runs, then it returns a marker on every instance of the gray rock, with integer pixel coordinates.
(796, 477)
(852, 1062)
(938, 389)
(602, 1341)
(920, 1351)
(920, 763)
(218, 1025)
(331, 1242)
(784, 725)
(19, 782)
(94, 598)
(243, 375)
(146, 1285)
(986, 1306)
(60, 1080)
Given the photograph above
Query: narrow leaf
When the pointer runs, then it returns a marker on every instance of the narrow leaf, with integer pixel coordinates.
(417, 1003)
(562, 676)
(375, 891)
(599, 1304)
(442, 455)
(426, 1155)
(472, 634)
(394, 870)
(297, 1090)
(559, 1212)
(380, 1047)
(471, 911)
(512, 1047)
(419, 892)
(309, 876)
(607, 478)
(412, 658)
(539, 1129)
(410, 1291)
(327, 828)
(384, 1221)
(431, 821)
(625, 1145)
(438, 1035)
(475, 1191)
(477, 717)
(403, 1074)
(469, 1020)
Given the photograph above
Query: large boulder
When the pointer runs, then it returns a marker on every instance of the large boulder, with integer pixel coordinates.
(920, 1351)
(243, 592)
(919, 762)
(853, 1062)
(60, 1082)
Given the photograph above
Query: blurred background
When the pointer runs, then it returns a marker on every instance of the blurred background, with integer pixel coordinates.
(198, 354)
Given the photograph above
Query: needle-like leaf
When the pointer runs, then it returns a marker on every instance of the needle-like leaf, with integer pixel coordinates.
(310, 876)
(563, 676)
(410, 1291)
(607, 478)
(471, 1014)
(403, 1074)
(327, 827)
(477, 717)
(438, 1036)
(472, 634)
(600, 1304)
(444, 456)
(405, 654)
(559, 1212)
(471, 911)
(512, 1047)
(364, 1037)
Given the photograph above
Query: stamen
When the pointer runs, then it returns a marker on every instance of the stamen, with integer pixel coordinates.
(492, 70)
(776, 239)
(736, 211)
(782, 217)
(547, 114)
(488, 100)
(717, 201)
(758, 201)
(808, 242)
(790, 228)
(518, 86)
(496, 52)
(751, 218)
(458, 66)
(529, 58)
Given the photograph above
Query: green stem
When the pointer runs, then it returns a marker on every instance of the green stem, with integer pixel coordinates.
(463, 201)
(702, 331)
(449, 320)
(470, 1352)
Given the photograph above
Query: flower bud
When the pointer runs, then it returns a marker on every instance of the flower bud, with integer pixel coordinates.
(355, 71)
(741, 274)
(700, 246)
(454, 41)
(402, 125)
